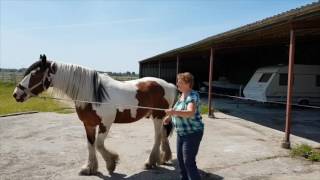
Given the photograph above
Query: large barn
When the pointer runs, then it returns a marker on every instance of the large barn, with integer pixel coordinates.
(239, 52)
(289, 38)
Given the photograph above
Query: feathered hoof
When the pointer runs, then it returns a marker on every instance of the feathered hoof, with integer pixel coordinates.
(88, 170)
(149, 166)
(112, 165)
(165, 157)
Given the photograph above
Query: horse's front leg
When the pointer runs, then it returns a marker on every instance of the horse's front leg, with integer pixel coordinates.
(91, 166)
(154, 157)
(110, 157)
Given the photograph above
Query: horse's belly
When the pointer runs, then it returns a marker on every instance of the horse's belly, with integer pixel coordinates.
(126, 116)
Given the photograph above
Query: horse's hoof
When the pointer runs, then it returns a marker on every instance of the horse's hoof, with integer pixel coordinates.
(165, 157)
(149, 166)
(87, 171)
(112, 166)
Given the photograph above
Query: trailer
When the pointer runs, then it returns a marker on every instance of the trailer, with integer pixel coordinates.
(269, 84)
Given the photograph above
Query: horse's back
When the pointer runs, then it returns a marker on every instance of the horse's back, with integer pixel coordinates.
(169, 89)
(147, 92)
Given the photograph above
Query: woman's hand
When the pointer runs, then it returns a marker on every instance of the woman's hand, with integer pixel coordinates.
(189, 112)
(166, 120)
(169, 112)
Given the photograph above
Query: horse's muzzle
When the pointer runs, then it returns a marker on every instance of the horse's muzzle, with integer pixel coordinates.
(19, 98)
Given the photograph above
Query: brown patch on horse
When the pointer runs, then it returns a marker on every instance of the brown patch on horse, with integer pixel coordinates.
(91, 133)
(88, 116)
(149, 94)
(90, 120)
(34, 79)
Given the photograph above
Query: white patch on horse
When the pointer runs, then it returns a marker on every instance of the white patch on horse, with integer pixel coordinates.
(25, 83)
(120, 93)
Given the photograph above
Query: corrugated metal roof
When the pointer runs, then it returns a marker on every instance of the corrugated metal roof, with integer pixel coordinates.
(285, 17)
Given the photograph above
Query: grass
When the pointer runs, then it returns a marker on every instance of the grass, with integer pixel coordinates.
(9, 105)
(306, 151)
(204, 109)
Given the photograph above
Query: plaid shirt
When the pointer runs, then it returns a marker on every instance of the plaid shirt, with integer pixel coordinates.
(185, 126)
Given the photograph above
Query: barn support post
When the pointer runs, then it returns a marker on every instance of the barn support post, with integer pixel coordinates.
(286, 141)
(140, 70)
(210, 113)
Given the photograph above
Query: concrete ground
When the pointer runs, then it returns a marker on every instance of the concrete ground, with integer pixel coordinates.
(53, 146)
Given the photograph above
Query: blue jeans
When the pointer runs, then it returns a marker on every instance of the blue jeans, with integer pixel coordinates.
(187, 149)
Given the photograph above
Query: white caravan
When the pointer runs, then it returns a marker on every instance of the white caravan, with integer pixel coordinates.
(270, 84)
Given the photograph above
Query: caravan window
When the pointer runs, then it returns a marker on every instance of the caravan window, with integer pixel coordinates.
(265, 77)
(318, 80)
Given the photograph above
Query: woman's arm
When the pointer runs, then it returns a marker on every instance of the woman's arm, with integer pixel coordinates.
(191, 110)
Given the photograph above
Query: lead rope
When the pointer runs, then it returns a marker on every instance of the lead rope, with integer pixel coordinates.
(103, 103)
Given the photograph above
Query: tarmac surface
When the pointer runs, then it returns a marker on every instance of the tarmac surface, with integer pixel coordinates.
(53, 146)
(305, 122)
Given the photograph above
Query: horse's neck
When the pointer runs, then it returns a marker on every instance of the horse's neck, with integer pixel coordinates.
(74, 81)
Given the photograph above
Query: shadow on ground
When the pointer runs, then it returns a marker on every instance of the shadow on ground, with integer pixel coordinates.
(159, 173)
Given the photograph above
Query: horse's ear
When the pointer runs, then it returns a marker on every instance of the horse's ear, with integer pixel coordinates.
(43, 59)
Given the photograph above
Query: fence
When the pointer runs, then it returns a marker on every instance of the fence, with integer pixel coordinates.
(13, 77)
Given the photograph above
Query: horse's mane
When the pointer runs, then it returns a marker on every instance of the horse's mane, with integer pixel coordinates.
(79, 83)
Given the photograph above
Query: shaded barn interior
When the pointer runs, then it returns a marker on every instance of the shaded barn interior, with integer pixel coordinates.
(236, 64)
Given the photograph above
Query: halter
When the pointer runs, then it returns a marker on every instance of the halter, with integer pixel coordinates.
(42, 82)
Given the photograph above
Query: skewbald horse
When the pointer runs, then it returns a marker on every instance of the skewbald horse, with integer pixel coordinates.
(81, 83)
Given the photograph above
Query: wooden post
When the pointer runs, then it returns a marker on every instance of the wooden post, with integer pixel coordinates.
(286, 141)
(210, 113)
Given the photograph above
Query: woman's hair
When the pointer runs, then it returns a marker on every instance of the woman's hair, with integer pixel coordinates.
(186, 77)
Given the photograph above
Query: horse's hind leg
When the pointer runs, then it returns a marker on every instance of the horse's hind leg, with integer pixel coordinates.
(110, 157)
(165, 154)
(92, 165)
(154, 157)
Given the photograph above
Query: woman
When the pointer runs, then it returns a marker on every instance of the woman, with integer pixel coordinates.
(189, 126)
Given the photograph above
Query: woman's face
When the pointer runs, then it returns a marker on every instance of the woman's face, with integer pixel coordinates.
(183, 86)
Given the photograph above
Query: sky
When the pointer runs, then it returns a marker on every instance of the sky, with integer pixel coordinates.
(115, 35)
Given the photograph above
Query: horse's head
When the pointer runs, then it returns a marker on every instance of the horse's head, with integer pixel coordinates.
(37, 78)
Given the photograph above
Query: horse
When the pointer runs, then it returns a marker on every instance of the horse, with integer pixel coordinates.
(99, 95)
